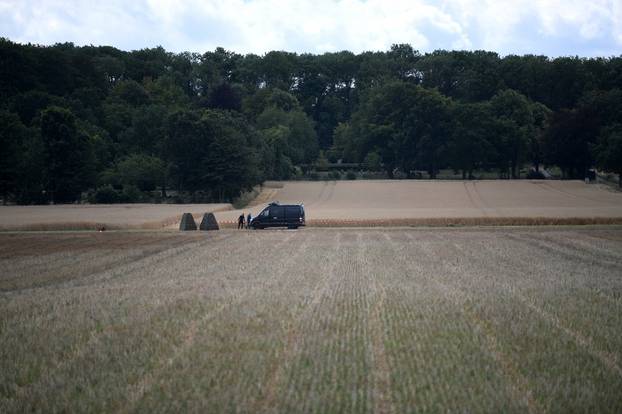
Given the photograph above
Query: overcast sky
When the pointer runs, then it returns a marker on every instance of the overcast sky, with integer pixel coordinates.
(549, 27)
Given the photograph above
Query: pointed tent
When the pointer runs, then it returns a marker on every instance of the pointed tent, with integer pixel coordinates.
(187, 222)
(209, 222)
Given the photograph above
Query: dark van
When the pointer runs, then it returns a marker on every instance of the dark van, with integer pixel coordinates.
(291, 216)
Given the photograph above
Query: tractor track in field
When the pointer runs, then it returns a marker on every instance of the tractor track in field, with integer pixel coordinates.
(569, 194)
(94, 336)
(294, 332)
(517, 384)
(565, 251)
(381, 320)
(117, 269)
(382, 372)
(475, 198)
(585, 342)
(137, 391)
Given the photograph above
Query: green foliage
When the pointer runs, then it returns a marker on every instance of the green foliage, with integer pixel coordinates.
(209, 152)
(399, 110)
(13, 135)
(372, 161)
(344, 145)
(568, 139)
(321, 164)
(226, 96)
(285, 126)
(142, 171)
(472, 142)
(468, 76)
(28, 105)
(145, 131)
(105, 195)
(514, 126)
(406, 124)
(130, 92)
(608, 151)
(69, 157)
(131, 194)
(334, 175)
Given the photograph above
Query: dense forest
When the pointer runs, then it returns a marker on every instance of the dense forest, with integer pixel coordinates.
(109, 125)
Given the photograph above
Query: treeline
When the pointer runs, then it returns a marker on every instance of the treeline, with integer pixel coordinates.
(116, 125)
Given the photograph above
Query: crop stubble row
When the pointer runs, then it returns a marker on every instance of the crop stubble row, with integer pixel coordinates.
(341, 320)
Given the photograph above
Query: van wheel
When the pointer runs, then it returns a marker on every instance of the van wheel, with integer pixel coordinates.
(292, 227)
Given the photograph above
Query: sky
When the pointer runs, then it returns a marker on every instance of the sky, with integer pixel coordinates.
(546, 27)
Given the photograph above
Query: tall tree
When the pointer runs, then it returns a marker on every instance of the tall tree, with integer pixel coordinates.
(567, 142)
(471, 143)
(12, 139)
(515, 126)
(68, 154)
(608, 151)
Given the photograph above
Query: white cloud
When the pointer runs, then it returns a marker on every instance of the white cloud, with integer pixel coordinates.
(257, 26)
(591, 18)
(616, 15)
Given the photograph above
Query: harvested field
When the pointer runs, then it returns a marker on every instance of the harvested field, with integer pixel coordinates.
(358, 204)
(315, 320)
(90, 217)
(421, 202)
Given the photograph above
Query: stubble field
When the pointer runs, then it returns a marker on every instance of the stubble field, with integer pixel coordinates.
(314, 320)
(438, 203)
(360, 203)
(93, 216)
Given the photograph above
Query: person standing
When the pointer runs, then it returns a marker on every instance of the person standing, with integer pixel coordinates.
(241, 222)
(249, 218)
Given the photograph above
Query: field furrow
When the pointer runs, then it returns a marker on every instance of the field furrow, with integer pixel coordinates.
(582, 373)
(456, 360)
(387, 320)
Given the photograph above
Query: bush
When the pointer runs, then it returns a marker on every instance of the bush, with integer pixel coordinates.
(297, 173)
(535, 175)
(142, 171)
(373, 175)
(321, 164)
(334, 175)
(372, 161)
(131, 194)
(351, 175)
(105, 195)
(246, 197)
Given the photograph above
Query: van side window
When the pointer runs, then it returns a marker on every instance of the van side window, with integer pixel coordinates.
(277, 211)
(293, 211)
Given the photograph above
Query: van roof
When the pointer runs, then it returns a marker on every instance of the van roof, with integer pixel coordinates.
(276, 203)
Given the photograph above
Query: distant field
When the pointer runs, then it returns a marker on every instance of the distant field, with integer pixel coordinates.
(114, 216)
(314, 320)
(360, 203)
(416, 201)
